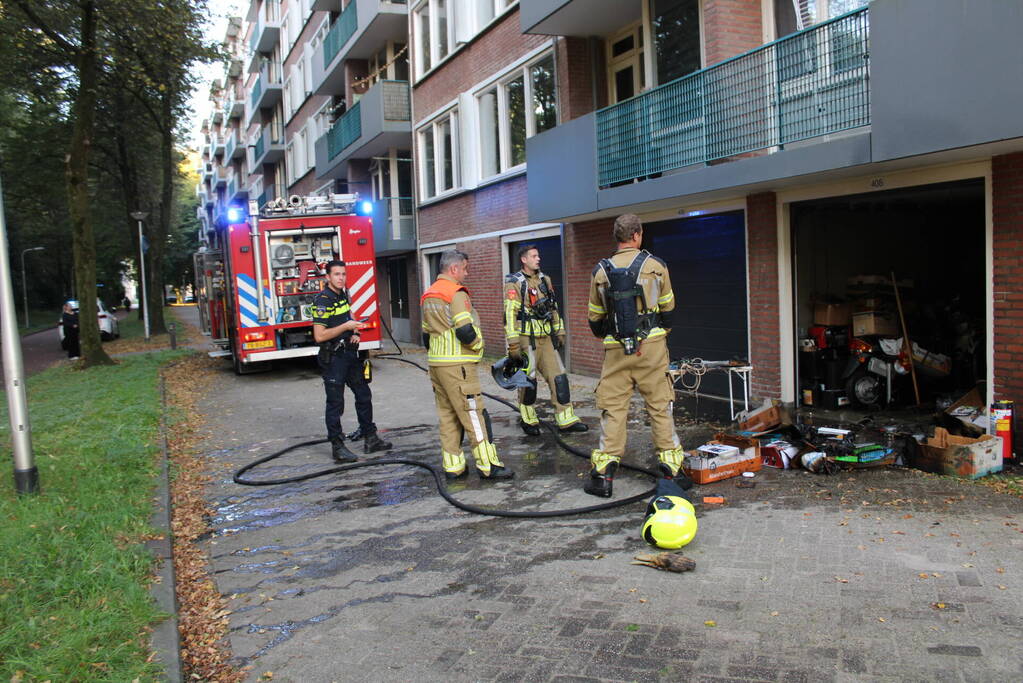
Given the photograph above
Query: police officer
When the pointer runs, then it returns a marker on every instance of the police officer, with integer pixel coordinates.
(630, 309)
(533, 325)
(451, 331)
(338, 336)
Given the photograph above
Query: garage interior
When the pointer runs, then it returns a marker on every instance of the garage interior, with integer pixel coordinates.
(845, 250)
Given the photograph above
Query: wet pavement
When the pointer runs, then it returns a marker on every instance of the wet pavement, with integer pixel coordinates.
(371, 576)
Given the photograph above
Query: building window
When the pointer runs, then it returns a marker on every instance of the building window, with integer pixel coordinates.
(433, 33)
(437, 147)
(486, 10)
(675, 26)
(517, 108)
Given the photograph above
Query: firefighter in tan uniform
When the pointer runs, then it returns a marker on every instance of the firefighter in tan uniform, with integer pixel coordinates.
(452, 334)
(534, 327)
(630, 309)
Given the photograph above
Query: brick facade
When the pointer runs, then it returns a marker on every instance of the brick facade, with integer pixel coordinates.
(731, 27)
(583, 246)
(762, 257)
(489, 53)
(1007, 204)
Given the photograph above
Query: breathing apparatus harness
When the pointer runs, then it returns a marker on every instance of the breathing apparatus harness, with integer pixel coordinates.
(438, 474)
(542, 310)
(628, 323)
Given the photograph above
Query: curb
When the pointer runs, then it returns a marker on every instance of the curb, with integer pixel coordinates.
(164, 640)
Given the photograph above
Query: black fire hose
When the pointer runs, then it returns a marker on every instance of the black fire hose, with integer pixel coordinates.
(438, 475)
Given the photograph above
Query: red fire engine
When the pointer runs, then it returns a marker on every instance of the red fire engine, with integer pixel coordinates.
(285, 248)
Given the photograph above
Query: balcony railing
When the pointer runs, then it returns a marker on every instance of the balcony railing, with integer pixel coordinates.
(257, 90)
(808, 84)
(343, 133)
(339, 33)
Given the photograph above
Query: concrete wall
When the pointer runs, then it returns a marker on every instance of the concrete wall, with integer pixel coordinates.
(944, 74)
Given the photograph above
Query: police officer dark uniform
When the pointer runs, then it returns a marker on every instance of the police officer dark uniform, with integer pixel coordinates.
(532, 324)
(630, 309)
(338, 336)
(451, 330)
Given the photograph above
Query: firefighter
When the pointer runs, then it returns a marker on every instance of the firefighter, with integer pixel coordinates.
(451, 332)
(533, 325)
(630, 309)
(338, 336)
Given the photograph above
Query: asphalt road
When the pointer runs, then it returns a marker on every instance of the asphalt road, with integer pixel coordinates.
(42, 349)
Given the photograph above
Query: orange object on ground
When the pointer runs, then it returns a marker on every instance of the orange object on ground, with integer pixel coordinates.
(713, 499)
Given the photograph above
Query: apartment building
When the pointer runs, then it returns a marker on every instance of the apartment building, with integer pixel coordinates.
(854, 141)
(783, 154)
(320, 104)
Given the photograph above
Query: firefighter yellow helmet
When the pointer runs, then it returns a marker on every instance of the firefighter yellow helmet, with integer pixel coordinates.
(670, 522)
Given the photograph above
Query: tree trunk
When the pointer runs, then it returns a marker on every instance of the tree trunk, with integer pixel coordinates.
(82, 242)
(158, 241)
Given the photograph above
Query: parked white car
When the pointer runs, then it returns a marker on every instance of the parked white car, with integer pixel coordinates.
(108, 328)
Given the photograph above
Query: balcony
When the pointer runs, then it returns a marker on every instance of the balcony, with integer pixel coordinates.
(235, 108)
(788, 96)
(218, 145)
(394, 225)
(377, 122)
(358, 33)
(267, 30)
(267, 150)
(267, 90)
(326, 6)
(207, 172)
(582, 18)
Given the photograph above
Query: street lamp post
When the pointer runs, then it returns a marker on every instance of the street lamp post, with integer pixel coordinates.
(24, 280)
(141, 216)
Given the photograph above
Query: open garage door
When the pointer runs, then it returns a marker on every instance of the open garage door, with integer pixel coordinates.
(846, 249)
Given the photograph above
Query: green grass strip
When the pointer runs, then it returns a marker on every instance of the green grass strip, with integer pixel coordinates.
(74, 603)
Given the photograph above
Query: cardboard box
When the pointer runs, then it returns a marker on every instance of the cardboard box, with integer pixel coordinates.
(704, 470)
(874, 322)
(971, 413)
(832, 314)
(960, 456)
(780, 454)
(761, 419)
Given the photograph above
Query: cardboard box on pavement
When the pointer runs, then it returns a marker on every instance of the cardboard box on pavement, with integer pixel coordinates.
(746, 458)
(960, 456)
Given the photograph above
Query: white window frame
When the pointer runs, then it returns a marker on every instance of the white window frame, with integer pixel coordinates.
(424, 256)
(450, 115)
(503, 120)
(435, 57)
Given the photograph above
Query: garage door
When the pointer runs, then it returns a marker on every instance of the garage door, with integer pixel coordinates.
(706, 256)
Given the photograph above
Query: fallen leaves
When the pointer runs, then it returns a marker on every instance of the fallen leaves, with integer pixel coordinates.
(203, 614)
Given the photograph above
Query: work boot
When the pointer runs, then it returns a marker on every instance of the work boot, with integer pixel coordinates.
(574, 427)
(339, 451)
(375, 443)
(601, 484)
(354, 436)
(680, 477)
(452, 476)
(530, 430)
(496, 472)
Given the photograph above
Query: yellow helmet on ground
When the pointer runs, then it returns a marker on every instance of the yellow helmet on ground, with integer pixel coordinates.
(670, 522)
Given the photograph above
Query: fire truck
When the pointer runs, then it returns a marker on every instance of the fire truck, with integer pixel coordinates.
(256, 282)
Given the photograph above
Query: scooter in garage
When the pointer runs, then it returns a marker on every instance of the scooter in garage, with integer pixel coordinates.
(871, 368)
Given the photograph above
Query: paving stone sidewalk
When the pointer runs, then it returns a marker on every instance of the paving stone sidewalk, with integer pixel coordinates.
(371, 576)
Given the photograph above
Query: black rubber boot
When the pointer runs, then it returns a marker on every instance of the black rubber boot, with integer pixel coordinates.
(601, 484)
(451, 476)
(496, 472)
(680, 477)
(530, 430)
(574, 427)
(340, 453)
(354, 436)
(375, 443)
